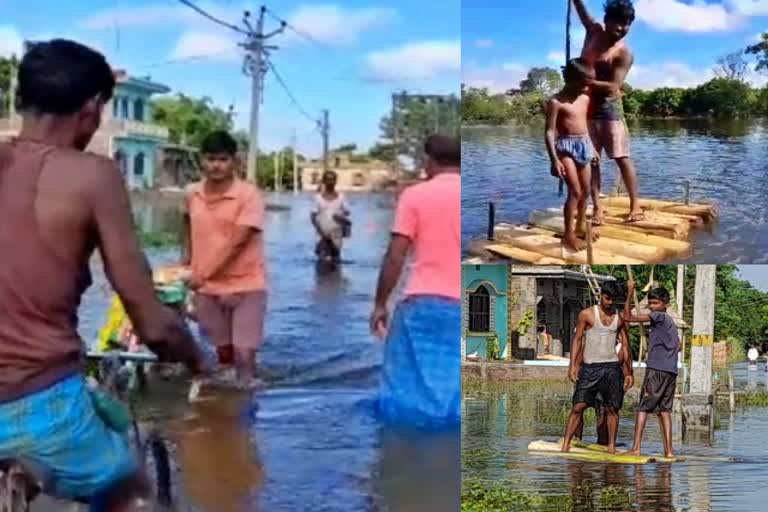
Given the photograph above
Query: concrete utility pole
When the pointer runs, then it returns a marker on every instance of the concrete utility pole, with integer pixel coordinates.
(256, 66)
(326, 129)
(277, 170)
(12, 87)
(295, 165)
(396, 134)
(698, 404)
(680, 304)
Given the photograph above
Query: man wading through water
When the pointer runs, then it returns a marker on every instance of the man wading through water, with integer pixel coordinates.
(600, 375)
(57, 205)
(605, 50)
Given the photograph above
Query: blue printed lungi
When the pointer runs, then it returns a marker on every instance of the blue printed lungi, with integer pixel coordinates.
(59, 429)
(421, 375)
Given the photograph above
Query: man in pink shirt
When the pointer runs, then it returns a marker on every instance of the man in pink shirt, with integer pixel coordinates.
(421, 381)
(226, 252)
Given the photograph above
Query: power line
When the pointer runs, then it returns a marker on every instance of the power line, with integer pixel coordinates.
(211, 17)
(184, 59)
(289, 93)
(297, 31)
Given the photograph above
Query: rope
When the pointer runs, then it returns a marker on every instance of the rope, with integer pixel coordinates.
(567, 58)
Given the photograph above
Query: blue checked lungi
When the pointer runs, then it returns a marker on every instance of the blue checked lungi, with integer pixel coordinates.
(59, 429)
(421, 375)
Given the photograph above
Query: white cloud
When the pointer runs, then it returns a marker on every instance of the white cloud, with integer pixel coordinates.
(697, 16)
(336, 25)
(415, 61)
(11, 42)
(556, 57)
(194, 43)
(667, 74)
(750, 7)
(484, 43)
(496, 79)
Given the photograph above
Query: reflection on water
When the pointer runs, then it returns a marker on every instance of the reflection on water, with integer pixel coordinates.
(726, 162)
(309, 441)
(500, 419)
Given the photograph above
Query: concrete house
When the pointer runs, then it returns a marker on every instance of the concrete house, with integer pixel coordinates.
(506, 303)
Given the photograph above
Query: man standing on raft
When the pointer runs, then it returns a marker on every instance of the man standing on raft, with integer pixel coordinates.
(601, 375)
(605, 50)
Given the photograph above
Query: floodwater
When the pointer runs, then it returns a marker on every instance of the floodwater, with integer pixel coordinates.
(310, 440)
(500, 419)
(725, 162)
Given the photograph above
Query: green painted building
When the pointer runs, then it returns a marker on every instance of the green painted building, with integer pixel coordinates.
(509, 303)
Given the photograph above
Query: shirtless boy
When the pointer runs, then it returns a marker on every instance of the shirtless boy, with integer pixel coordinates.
(569, 145)
(605, 50)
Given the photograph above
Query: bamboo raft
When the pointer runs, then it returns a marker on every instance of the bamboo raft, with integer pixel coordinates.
(663, 235)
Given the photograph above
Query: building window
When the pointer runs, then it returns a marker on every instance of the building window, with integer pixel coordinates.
(337, 162)
(358, 180)
(138, 110)
(124, 108)
(480, 310)
(120, 159)
(116, 107)
(315, 178)
(138, 164)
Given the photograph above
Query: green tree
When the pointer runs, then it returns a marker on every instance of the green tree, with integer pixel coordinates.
(417, 119)
(346, 148)
(545, 81)
(633, 100)
(732, 65)
(760, 51)
(7, 69)
(188, 119)
(663, 102)
(724, 97)
(382, 151)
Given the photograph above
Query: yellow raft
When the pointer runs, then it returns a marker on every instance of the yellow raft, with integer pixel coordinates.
(592, 453)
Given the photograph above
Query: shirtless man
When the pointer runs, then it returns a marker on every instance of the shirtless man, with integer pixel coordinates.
(57, 206)
(596, 368)
(569, 147)
(605, 50)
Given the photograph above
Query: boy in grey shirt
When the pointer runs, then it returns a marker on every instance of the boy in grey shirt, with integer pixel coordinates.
(658, 391)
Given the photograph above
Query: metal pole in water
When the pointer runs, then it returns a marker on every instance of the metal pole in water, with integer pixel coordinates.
(491, 220)
(731, 396)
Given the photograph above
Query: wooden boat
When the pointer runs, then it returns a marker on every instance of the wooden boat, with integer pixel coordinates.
(664, 234)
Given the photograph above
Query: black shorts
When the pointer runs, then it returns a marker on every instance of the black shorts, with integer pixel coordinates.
(658, 391)
(600, 384)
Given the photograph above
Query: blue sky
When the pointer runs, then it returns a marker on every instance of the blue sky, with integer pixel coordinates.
(757, 275)
(356, 55)
(676, 42)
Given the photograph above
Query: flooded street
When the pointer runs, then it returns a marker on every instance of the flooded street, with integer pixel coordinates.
(501, 418)
(310, 441)
(725, 162)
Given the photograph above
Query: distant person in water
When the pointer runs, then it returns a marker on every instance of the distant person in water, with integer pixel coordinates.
(660, 380)
(225, 248)
(605, 50)
(421, 380)
(570, 148)
(753, 354)
(330, 219)
(600, 375)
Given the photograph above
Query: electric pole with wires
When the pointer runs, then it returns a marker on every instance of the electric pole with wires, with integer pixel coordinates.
(256, 67)
(326, 130)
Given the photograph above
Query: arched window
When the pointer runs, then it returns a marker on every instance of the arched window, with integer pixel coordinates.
(138, 164)
(138, 109)
(124, 108)
(121, 163)
(480, 310)
(358, 180)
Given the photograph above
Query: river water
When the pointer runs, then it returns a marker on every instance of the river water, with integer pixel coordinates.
(726, 162)
(500, 419)
(310, 441)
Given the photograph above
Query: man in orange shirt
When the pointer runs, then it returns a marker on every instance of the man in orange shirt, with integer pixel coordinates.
(421, 381)
(226, 252)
